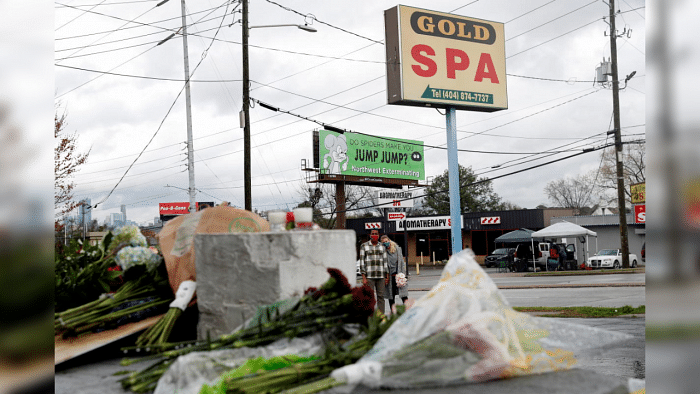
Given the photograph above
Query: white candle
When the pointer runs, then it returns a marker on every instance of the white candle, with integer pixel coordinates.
(277, 220)
(303, 215)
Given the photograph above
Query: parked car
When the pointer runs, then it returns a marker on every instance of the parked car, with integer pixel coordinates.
(609, 258)
(496, 256)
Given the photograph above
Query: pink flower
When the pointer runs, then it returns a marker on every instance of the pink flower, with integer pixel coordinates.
(401, 280)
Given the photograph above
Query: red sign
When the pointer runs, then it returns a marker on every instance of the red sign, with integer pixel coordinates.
(491, 220)
(396, 215)
(640, 213)
(174, 208)
(372, 226)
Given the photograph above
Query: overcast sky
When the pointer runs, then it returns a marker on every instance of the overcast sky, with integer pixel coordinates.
(336, 76)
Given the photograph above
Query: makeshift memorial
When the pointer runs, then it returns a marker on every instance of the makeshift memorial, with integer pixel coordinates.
(331, 306)
(143, 293)
(463, 330)
(176, 241)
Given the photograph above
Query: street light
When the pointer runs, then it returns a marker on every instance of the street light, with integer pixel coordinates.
(247, 184)
(304, 27)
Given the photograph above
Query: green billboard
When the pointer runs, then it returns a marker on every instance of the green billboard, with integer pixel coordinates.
(369, 156)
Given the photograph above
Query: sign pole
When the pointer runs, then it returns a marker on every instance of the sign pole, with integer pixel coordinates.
(405, 236)
(453, 174)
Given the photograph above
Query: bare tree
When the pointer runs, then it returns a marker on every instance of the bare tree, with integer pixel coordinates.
(573, 193)
(509, 206)
(67, 160)
(324, 204)
(633, 170)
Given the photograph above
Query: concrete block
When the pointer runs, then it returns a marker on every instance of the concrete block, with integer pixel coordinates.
(236, 273)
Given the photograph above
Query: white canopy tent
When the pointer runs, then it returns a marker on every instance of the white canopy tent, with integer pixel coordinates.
(563, 230)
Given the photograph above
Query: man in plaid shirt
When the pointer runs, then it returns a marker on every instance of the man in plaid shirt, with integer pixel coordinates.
(373, 266)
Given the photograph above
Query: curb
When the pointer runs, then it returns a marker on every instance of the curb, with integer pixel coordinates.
(559, 286)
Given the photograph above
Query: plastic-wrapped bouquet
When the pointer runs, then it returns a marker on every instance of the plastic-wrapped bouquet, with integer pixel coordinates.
(141, 290)
(463, 330)
(401, 280)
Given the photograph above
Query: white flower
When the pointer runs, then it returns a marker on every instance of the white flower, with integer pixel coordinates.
(130, 235)
(401, 279)
(131, 256)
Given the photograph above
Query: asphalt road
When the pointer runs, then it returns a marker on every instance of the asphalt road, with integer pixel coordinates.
(516, 288)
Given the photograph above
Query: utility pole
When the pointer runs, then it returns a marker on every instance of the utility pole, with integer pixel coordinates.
(246, 113)
(188, 105)
(624, 244)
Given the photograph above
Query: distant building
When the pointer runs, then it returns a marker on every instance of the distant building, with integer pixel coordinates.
(123, 211)
(116, 219)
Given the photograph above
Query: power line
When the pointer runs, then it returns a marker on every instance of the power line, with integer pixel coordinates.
(117, 66)
(135, 45)
(152, 24)
(103, 74)
(550, 40)
(146, 77)
(529, 12)
(129, 38)
(530, 115)
(464, 5)
(81, 14)
(115, 3)
(330, 127)
(166, 115)
(552, 20)
(128, 22)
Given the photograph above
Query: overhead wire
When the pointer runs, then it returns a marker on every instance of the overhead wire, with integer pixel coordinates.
(110, 70)
(150, 24)
(159, 42)
(94, 44)
(552, 39)
(165, 117)
(81, 14)
(552, 20)
(529, 12)
(115, 3)
(128, 22)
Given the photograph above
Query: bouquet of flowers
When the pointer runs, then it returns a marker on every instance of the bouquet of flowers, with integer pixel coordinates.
(92, 272)
(304, 376)
(401, 280)
(334, 304)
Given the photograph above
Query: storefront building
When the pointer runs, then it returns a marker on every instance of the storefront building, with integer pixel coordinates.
(428, 237)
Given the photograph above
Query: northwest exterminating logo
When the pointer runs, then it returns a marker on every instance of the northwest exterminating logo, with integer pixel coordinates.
(416, 156)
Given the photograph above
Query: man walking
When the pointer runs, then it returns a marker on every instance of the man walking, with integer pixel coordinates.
(373, 267)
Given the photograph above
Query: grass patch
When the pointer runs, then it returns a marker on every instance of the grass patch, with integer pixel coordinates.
(637, 270)
(583, 311)
(673, 332)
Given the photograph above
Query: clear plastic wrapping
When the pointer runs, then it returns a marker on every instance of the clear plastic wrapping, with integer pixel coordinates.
(464, 330)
